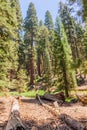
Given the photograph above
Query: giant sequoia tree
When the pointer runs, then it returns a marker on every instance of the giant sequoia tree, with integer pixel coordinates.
(30, 25)
(43, 56)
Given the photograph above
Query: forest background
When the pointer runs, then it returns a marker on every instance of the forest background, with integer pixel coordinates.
(37, 54)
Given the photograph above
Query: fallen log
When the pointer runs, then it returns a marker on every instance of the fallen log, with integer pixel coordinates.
(54, 110)
(69, 123)
(59, 97)
(14, 122)
(72, 123)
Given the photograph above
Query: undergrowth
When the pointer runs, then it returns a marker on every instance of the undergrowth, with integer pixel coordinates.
(31, 93)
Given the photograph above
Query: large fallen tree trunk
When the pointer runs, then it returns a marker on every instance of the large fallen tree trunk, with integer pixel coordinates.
(14, 122)
(59, 97)
(72, 123)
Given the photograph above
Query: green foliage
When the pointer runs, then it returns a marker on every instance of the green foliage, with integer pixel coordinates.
(9, 36)
(63, 59)
(75, 36)
(48, 21)
(31, 27)
(43, 56)
(84, 9)
(28, 94)
(68, 58)
(70, 99)
(85, 42)
(31, 22)
(41, 23)
(70, 29)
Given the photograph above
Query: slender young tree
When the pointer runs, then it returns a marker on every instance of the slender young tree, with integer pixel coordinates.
(65, 58)
(30, 26)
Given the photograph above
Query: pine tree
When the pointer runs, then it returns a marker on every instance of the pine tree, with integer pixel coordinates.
(20, 70)
(17, 11)
(85, 20)
(81, 35)
(69, 26)
(31, 25)
(41, 23)
(49, 20)
(79, 40)
(7, 25)
(9, 46)
(84, 11)
(84, 63)
(64, 66)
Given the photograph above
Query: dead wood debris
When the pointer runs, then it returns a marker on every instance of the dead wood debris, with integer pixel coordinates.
(68, 122)
(59, 97)
(60, 121)
(55, 111)
(14, 122)
(82, 99)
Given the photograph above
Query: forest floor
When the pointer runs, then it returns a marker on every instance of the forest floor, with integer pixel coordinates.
(33, 114)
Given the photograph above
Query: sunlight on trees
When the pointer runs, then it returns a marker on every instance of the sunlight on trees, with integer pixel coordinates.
(47, 54)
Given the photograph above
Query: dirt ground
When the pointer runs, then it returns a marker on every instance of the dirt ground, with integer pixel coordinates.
(33, 114)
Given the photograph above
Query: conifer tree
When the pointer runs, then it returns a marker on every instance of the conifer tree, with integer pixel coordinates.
(9, 33)
(30, 25)
(43, 49)
(64, 66)
(41, 23)
(84, 41)
(48, 20)
(84, 9)
(16, 41)
(85, 31)
(7, 25)
(44, 66)
(69, 26)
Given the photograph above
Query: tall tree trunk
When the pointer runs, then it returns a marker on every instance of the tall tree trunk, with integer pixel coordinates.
(32, 76)
(66, 82)
(66, 85)
(39, 67)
